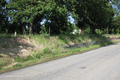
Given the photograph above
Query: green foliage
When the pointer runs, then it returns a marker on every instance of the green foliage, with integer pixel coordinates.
(24, 59)
(43, 30)
(95, 13)
(98, 31)
(1, 64)
(1, 56)
(37, 56)
(3, 16)
(70, 28)
(6, 36)
(18, 59)
(116, 24)
(50, 49)
(87, 30)
(47, 50)
(117, 31)
(18, 65)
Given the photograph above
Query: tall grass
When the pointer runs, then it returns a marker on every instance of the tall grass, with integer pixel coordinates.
(50, 47)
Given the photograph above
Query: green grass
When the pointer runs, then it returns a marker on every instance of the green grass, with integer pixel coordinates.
(6, 35)
(118, 35)
(51, 51)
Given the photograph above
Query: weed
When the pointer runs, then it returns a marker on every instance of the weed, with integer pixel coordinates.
(46, 50)
(24, 59)
(18, 65)
(1, 64)
(5, 61)
(37, 56)
(19, 59)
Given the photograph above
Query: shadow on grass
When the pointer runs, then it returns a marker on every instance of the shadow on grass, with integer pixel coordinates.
(82, 40)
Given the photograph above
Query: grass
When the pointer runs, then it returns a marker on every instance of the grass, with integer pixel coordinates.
(50, 50)
(6, 36)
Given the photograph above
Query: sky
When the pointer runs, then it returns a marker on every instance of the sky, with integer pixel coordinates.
(115, 7)
(71, 20)
(7, 1)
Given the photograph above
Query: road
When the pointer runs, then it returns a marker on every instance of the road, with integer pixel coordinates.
(99, 64)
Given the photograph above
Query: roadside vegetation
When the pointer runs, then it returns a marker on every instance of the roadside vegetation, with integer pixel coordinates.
(41, 48)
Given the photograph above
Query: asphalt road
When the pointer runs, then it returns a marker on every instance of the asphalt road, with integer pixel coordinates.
(99, 64)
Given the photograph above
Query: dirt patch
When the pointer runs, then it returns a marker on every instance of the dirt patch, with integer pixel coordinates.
(17, 46)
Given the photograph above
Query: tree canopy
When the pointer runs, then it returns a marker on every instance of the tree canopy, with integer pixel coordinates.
(98, 14)
(3, 17)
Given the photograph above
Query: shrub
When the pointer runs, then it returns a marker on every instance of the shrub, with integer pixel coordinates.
(117, 31)
(37, 55)
(98, 31)
(87, 30)
(43, 30)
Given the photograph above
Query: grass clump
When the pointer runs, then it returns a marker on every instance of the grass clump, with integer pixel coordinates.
(47, 51)
(23, 59)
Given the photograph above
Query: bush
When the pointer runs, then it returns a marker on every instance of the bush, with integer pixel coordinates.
(37, 56)
(117, 31)
(43, 30)
(69, 29)
(98, 31)
(87, 30)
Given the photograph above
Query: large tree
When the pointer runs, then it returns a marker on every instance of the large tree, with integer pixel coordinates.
(3, 16)
(116, 24)
(95, 13)
(26, 11)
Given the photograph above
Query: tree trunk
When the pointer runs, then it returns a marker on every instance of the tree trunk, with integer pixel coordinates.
(30, 28)
(23, 30)
(107, 31)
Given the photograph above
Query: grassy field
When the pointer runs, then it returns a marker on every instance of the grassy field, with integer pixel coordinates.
(26, 50)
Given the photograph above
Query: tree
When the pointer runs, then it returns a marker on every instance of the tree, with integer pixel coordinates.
(116, 24)
(57, 18)
(95, 13)
(3, 16)
(25, 11)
